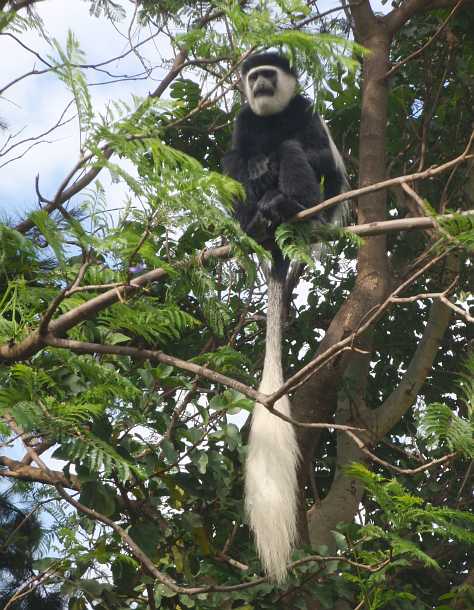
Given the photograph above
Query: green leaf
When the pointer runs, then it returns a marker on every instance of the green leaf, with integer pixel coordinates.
(202, 462)
(147, 535)
(99, 497)
(51, 233)
(169, 451)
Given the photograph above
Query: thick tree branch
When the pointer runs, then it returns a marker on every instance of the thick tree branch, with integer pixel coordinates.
(364, 18)
(400, 15)
(383, 184)
(34, 342)
(419, 51)
(401, 399)
(403, 224)
(19, 470)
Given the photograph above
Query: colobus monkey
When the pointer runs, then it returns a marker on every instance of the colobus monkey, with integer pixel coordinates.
(281, 152)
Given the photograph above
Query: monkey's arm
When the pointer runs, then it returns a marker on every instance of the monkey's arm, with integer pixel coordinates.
(235, 166)
(297, 179)
(325, 166)
(325, 158)
(254, 174)
(297, 186)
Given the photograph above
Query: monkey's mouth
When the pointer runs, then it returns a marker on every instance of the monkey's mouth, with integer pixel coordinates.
(263, 92)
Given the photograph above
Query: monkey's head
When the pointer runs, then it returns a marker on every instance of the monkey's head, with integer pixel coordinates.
(269, 83)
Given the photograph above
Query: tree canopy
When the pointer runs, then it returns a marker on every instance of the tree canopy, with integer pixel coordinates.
(132, 330)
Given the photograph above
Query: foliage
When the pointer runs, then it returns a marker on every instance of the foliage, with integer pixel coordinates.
(405, 521)
(441, 425)
(21, 538)
(159, 450)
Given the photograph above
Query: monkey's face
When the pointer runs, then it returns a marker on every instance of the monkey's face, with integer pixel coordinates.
(269, 89)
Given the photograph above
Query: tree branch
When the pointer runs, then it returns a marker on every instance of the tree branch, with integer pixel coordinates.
(24, 472)
(371, 317)
(371, 188)
(34, 342)
(400, 15)
(419, 51)
(394, 407)
(83, 347)
(11, 352)
(406, 471)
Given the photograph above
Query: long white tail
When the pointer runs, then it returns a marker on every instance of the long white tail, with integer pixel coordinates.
(273, 456)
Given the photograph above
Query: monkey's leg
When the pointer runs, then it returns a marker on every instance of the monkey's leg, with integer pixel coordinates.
(298, 186)
(275, 207)
(297, 179)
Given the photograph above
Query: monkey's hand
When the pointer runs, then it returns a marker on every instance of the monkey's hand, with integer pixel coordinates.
(277, 207)
(258, 166)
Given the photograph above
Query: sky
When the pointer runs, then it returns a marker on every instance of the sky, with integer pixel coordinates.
(32, 105)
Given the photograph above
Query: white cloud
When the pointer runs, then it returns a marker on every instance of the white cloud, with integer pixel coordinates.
(35, 103)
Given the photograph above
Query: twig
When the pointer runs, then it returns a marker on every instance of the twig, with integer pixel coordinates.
(59, 123)
(43, 327)
(414, 195)
(441, 296)
(64, 193)
(465, 480)
(337, 347)
(232, 562)
(419, 51)
(407, 471)
(456, 308)
(30, 585)
(84, 347)
(95, 66)
(427, 173)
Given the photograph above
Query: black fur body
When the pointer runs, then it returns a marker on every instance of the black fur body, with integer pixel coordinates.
(281, 160)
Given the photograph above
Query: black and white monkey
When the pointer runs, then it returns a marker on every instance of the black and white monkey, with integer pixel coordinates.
(284, 156)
